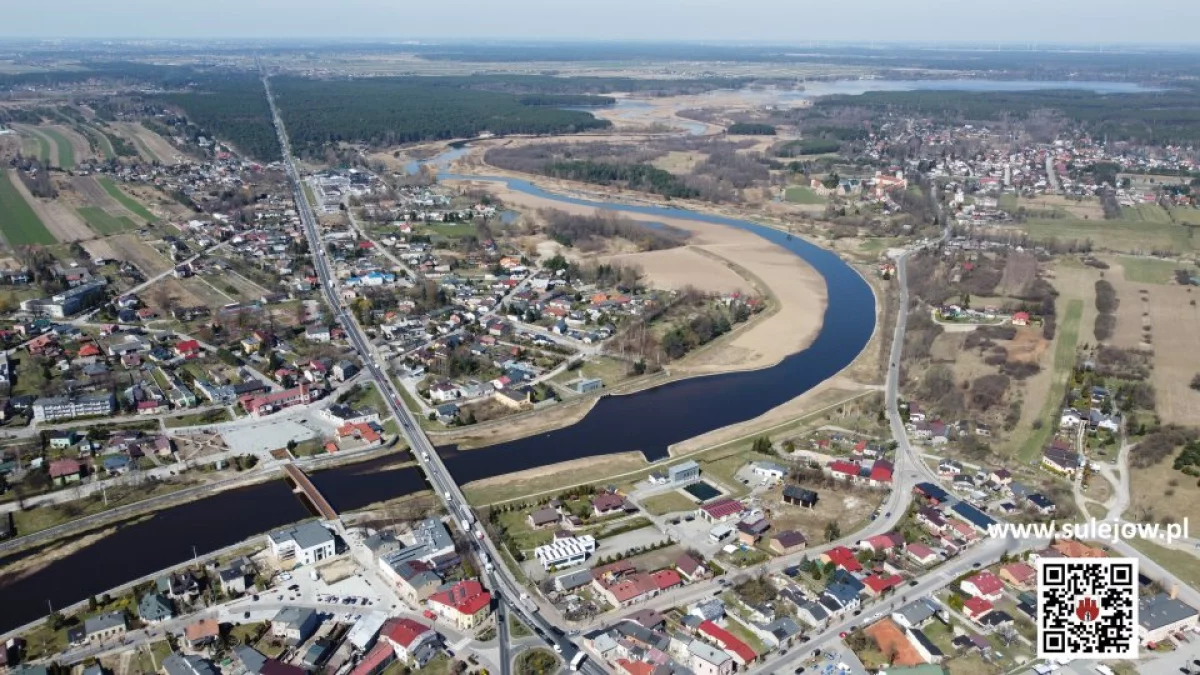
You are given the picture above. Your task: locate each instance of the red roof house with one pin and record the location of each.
(187, 348)
(842, 557)
(721, 510)
(985, 585)
(878, 583)
(740, 651)
(976, 607)
(466, 603)
(666, 579)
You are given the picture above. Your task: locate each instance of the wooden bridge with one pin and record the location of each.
(301, 484)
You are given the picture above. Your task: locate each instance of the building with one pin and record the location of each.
(105, 626)
(269, 403)
(796, 495)
(69, 302)
(915, 614)
(788, 541)
(431, 542)
(565, 552)
(772, 471)
(202, 632)
(565, 583)
(740, 651)
(55, 408)
(466, 604)
(295, 624)
(305, 543)
(983, 585)
(190, 664)
(155, 607)
(705, 659)
(1020, 575)
(683, 472)
(721, 510)
(413, 643)
(233, 577)
(414, 579)
(544, 517)
(1160, 615)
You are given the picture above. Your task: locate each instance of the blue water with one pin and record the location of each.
(652, 420)
(857, 87)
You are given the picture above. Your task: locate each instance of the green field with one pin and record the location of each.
(800, 194)
(104, 222)
(1064, 360)
(105, 145)
(1150, 270)
(66, 153)
(452, 230)
(1114, 235)
(43, 148)
(128, 202)
(1146, 213)
(18, 222)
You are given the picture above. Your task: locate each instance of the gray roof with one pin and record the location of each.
(104, 622)
(576, 579)
(178, 664)
(708, 652)
(689, 465)
(252, 660)
(306, 535)
(917, 611)
(1162, 610)
(431, 540)
(294, 616)
(155, 607)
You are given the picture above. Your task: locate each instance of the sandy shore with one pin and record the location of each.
(797, 289)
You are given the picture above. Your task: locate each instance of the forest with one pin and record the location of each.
(233, 110)
(750, 129)
(390, 111)
(587, 233)
(642, 177)
(1151, 117)
(576, 100)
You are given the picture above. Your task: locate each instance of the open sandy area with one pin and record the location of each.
(676, 268)
(149, 144)
(797, 289)
(129, 248)
(59, 219)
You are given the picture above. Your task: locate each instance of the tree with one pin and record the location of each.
(955, 602)
(832, 531)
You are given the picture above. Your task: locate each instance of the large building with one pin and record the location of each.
(466, 604)
(55, 408)
(269, 403)
(1161, 615)
(68, 303)
(565, 552)
(305, 543)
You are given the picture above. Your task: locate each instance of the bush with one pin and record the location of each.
(988, 390)
(1106, 297)
(1105, 325)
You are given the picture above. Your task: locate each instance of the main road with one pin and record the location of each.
(505, 586)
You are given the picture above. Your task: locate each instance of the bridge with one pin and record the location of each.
(302, 485)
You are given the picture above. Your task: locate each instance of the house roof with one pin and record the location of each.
(687, 564)
(844, 558)
(723, 508)
(920, 551)
(667, 578)
(467, 597)
(404, 631)
(1020, 571)
(880, 583)
(64, 467)
(789, 538)
(728, 641)
(204, 628)
(976, 606)
(1161, 610)
(986, 583)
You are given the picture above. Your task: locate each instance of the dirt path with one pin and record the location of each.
(59, 219)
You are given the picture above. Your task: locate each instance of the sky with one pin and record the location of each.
(1155, 22)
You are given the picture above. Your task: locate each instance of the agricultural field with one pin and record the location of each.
(41, 146)
(63, 223)
(1150, 270)
(1056, 205)
(66, 146)
(105, 223)
(1065, 345)
(125, 200)
(19, 223)
(1125, 236)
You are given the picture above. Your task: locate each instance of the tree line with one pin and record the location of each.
(750, 129)
(587, 231)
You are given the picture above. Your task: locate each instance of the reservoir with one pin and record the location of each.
(648, 421)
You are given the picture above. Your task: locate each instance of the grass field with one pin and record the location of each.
(1149, 270)
(104, 222)
(1114, 235)
(102, 141)
(1180, 563)
(1064, 360)
(43, 148)
(1146, 213)
(128, 202)
(66, 153)
(800, 194)
(452, 230)
(19, 224)
(669, 502)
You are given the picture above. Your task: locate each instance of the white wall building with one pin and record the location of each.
(305, 543)
(565, 552)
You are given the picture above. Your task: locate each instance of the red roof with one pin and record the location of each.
(467, 597)
(727, 641)
(405, 631)
(1020, 571)
(63, 467)
(920, 551)
(881, 473)
(976, 607)
(844, 558)
(987, 583)
(860, 446)
(841, 466)
(374, 660)
(1021, 316)
(635, 667)
(723, 508)
(879, 583)
(187, 346)
(666, 579)
(90, 349)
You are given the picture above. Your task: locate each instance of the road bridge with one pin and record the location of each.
(301, 484)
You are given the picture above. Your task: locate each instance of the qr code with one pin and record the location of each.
(1087, 608)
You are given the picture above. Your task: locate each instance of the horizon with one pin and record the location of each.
(1064, 22)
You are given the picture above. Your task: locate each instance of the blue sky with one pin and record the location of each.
(780, 21)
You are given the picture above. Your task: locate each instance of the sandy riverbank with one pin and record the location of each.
(798, 290)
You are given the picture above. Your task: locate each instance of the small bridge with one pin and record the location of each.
(302, 485)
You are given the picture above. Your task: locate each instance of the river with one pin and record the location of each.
(648, 421)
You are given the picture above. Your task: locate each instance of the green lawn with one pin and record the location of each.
(1180, 563)
(18, 222)
(43, 148)
(801, 194)
(128, 202)
(66, 153)
(1149, 270)
(102, 141)
(1114, 235)
(214, 416)
(608, 369)
(104, 222)
(452, 230)
(1064, 360)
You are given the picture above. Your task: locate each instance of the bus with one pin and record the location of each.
(577, 660)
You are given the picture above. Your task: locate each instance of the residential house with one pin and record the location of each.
(607, 503)
(883, 543)
(922, 554)
(235, 576)
(413, 643)
(740, 651)
(294, 625)
(843, 558)
(63, 471)
(544, 517)
(915, 614)
(975, 608)
(689, 568)
(787, 542)
(466, 604)
(202, 632)
(155, 607)
(1061, 461)
(983, 585)
(705, 659)
(304, 544)
(798, 496)
(1019, 575)
(107, 626)
(188, 664)
(415, 580)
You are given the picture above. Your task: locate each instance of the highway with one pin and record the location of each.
(503, 584)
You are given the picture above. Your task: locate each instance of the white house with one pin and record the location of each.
(1070, 419)
(565, 552)
(769, 470)
(305, 543)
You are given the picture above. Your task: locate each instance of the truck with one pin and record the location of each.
(466, 527)
(487, 562)
(577, 660)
